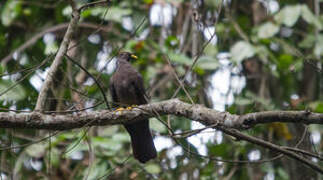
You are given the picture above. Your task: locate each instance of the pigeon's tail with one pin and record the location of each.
(141, 140)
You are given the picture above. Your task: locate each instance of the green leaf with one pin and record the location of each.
(11, 10)
(282, 173)
(241, 50)
(15, 94)
(152, 168)
(121, 137)
(113, 14)
(316, 106)
(179, 58)
(318, 49)
(308, 41)
(243, 101)
(207, 63)
(36, 150)
(67, 11)
(107, 143)
(219, 150)
(310, 18)
(211, 50)
(108, 131)
(156, 125)
(268, 30)
(288, 15)
(285, 60)
(51, 48)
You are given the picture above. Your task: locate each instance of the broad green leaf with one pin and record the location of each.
(219, 149)
(108, 131)
(285, 60)
(318, 49)
(116, 14)
(96, 170)
(310, 18)
(317, 106)
(243, 101)
(282, 174)
(211, 50)
(156, 125)
(16, 92)
(288, 15)
(241, 50)
(213, 3)
(152, 168)
(180, 58)
(308, 41)
(51, 48)
(113, 13)
(207, 63)
(11, 10)
(121, 137)
(67, 11)
(107, 143)
(268, 30)
(36, 150)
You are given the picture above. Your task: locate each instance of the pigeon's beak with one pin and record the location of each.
(133, 56)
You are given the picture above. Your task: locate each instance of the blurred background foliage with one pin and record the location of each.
(236, 56)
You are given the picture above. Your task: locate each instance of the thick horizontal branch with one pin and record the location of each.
(37, 120)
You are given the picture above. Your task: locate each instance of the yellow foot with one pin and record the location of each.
(120, 109)
(131, 107)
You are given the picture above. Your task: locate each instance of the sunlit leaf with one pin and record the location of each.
(241, 50)
(121, 137)
(318, 49)
(156, 125)
(268, 30)
(107, 143)
(11, 10)
(211, 50)
(243, 101)
(310, 18)
(15, 94)
(36, 150)
(113, 13)
(207, 63)
(308, 41)
(288, 15)
(51, 48)
(316, 106)
(152, 168)
(180, 58)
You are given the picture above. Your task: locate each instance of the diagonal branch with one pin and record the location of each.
(271, 146)
(58, 59)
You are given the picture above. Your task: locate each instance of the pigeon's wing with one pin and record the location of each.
(140, 93)
(113, 93)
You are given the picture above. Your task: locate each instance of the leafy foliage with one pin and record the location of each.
(270, 58)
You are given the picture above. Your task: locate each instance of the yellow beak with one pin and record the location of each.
(134, 56)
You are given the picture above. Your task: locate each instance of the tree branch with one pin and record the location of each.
(58, 59)
(55, 28)
(37, 120)
(223, 121)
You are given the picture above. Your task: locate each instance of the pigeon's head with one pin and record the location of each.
(127, 56)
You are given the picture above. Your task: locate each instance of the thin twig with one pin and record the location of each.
(274, 147)
(95, 80)
(93, 4)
